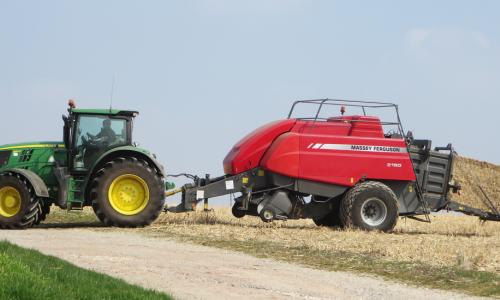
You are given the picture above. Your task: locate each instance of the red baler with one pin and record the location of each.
(345, 170)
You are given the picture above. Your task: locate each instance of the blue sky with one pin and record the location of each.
(204, 73)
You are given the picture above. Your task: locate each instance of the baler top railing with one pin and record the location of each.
(364, 105)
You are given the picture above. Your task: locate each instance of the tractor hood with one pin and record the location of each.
(248, 152)
(32, 145)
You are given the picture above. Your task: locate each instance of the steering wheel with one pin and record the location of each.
(90, 141)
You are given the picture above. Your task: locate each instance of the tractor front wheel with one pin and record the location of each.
(19, 206)
(127, 192)
(370, 205)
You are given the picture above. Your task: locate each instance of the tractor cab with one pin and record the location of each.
(89, 133)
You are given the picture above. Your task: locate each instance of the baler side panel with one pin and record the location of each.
(283, 155)
(330, 153)
(248, 152)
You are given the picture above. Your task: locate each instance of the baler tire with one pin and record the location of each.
(332, 219)
(129, 166)
(265, 213)
(237, 213)
(29, 210)
(354, 200)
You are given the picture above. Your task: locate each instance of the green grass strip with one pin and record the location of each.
(28, 274)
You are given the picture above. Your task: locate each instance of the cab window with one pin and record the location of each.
(96, 134)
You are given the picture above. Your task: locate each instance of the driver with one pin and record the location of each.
(107, 135)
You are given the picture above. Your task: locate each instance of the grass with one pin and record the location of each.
(28, 274)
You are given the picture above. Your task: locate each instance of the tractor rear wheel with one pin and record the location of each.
(332, 219)
(19, 206)
(127, 192)
(370, 205)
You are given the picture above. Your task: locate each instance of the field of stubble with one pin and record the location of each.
(450, 240)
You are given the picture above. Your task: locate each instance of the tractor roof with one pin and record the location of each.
(112, 112)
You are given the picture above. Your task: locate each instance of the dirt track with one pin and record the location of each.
(196, 272)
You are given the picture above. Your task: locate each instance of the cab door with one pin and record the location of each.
(93, 135)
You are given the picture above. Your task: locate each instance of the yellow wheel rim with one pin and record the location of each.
(128, 194)
(10, 201)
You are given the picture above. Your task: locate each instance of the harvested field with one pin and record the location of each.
(449, 240)
(471, 173)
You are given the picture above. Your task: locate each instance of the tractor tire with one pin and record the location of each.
(43, 211)
(370, 205)
(127, 192)
(332, 219)
(19, 206)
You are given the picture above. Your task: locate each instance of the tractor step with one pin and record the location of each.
(75, 199)
(77, 205)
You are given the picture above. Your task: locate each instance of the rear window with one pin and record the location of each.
(4, 157)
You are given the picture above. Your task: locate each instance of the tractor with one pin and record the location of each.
(97, 165)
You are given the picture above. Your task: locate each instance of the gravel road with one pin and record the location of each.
(195, 272)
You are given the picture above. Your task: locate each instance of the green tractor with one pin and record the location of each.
(96, 165)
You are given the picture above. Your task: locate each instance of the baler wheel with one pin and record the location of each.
(19, 206)
(370, 205)
(127, 192)
(237, 213)
(267, 215)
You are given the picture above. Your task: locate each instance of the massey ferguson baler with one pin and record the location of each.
(344, 170)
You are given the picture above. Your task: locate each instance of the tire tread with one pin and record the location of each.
(346, 207)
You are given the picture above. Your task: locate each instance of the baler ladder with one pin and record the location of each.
(425, 206)
(418, 189)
